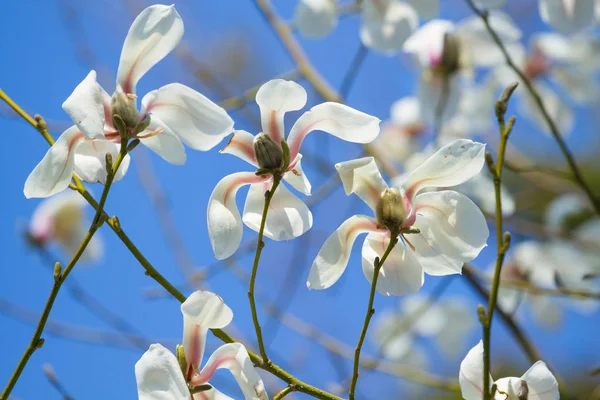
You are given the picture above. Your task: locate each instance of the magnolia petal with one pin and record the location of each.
(288, 216)
(427, 42)
(400, 274)
(451, 165)
(90, 160)
(315, 18)
(406, 112)
(471, 374)
(201, 311)
(426, 9)
(159, 377)
(362, 177)
(580, 84)
(430, 252)
(275, 98)
(436, 89)
(568, 17)
(53, 173)
(336, 119)
(197, 121)
(156, 31)
(332, 259)
(211, 394)
(85, 106)
(387, 24)
(241, 145)
(64, 209)
(165, 143)
(223, 217)
(297, 178)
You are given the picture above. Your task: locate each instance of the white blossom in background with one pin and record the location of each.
(288, 216)
(61, 219)
(158, 372)
(452, 230)
(169, 115)
(568, 16)
(537, 383)
(447, 54)
(564, 211)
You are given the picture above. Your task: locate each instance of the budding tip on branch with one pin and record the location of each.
(41, 123)
(109, 163)
(510, 124)
(40, 343)
(481, 313)
(116, 223)
(502, 103)
(506, 240)
(57, 271)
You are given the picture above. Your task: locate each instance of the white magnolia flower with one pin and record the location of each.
(288, 216)
(537, 383)
(568, 16)
(169, 115)
(61, 219)
(565, 212)
(160, 377)
(452, 229)
(447, 52)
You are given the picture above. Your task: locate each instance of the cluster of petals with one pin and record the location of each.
(288, 216)
(176, 112)
(452, 230)
(160, 376)
(569, 16)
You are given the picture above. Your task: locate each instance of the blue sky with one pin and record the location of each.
(39, 70)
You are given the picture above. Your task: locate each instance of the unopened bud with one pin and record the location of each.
(180, 353)
(57, 271)
(523, 391)
(451, 54)
(268, 154)
(390, 209)
(124, 107)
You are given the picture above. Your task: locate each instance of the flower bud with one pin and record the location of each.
(268, 154)
(124, 107)
(523, 391)
(450, 62)
(391, 211)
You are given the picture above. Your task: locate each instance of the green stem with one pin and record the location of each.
(287, 390)
(370, 311)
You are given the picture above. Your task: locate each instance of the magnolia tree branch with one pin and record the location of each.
(56, 384)
(577, 175)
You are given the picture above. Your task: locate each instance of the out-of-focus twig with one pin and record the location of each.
(56, 384)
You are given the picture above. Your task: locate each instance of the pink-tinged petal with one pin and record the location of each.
(155, 32)
(568, 16)
(387, 24)
(53, 173)
(541, 383)
(241, 145)
(159, 377)
(426, 9)
(333, 257)
(211, 394)
(159, 138)
(288, 216)
(362, 177)
(451, 165)
(201, 311)
(401, 273)
(57, 217)
(427, 42)
(223, 217)
(315, 18)
(471, 374)
(234, 357)
(197, 121)
(275, 98)
(90, 160)
(296, 177)
(454, 223)
(85, 106)
(336, 119)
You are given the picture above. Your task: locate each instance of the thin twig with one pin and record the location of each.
(352, 72)
(56, 384)
(287, 390)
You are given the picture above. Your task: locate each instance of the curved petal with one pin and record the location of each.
(57, 217)
(541, 382)
(234, 357)
(275, 98)
(90, 160)
(241, 145)
(197, 121)
(223, 217)
(430, 253)
(297, 178)
(201, 311)
(315, 18)
(427, 42)
(159, 377)
(154, 33)
(451, 165)
(387, 24)
(400, 274)
(85, 106)
(333, 257)
(361, 176)
(288, 216)
(164, 143)
(426, 9)
(471, 374)
(53, 173)
(211, 394)
(336, 119)
(568, 16)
